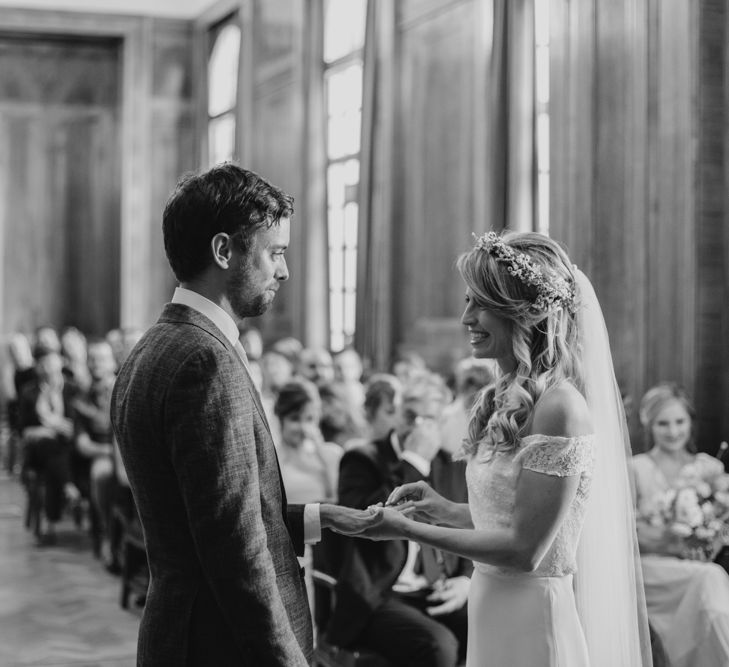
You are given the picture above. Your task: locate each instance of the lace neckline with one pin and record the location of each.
(540, 437)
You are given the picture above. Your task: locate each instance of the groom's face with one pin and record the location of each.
(255, 277)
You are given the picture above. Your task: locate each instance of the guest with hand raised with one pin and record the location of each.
(403, 602)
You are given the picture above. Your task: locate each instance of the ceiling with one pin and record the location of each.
(171, 8)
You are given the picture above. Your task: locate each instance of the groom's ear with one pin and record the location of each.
(221, 246)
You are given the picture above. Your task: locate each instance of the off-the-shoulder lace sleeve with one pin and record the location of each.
(553, 455)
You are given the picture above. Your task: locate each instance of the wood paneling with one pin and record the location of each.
(669, 252)
(711, 388)
(132, 173)
(172, 145)
(619, 207)
(638, 113)
(434, 210)
(59, 112)
(272, 139)
(572, 111)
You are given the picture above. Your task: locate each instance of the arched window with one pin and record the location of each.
(344, 32)
(223, 91)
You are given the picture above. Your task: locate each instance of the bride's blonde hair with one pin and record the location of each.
(543, 335)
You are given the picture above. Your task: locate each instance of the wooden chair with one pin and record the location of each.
(134, 568)
(34, 490)
(326, 654)
(135, 572)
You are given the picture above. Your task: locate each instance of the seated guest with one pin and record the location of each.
(340, 421)
(46, 340)
(75, 357)
(92, 460)
(395, 598)
(122, 340)
(407, 365)
(276, 371)
(47, 429)
(471, 376)
(252, 341)
(382, 400)
(290, 348)
(252, 344)
(19, 372)
(687, 598)
(21, 356)
(309, 465)
(348, 368)
(316, 365)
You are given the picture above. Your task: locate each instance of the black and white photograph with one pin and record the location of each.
(364, 333)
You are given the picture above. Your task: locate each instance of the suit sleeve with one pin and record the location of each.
(209, 419)
(295, 518)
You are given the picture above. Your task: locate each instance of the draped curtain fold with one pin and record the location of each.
(504, 164)
(508, 160)
(311, 234)
(373, 337)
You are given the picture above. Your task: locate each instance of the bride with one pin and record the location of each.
(549, 522)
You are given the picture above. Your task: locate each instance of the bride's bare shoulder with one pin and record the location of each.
(562, 411)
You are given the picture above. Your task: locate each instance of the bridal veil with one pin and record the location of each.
(608, 582)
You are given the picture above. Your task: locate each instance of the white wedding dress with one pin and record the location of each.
(527, 619)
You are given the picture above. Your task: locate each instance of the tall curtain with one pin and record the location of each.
(504, 167)
(506, 162)
(309, 232)
(373, 338)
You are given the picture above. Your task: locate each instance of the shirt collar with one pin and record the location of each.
(211, 310)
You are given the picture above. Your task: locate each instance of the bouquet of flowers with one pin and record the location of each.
(697, 512)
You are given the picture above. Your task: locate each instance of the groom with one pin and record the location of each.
(225, 587)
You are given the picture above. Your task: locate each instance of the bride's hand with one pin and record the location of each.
(346, 520)
(387, 524)
(419, 501)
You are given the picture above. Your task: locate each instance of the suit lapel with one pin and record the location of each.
(179, 313)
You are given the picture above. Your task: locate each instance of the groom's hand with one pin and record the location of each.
(346, 520)
(387, 524)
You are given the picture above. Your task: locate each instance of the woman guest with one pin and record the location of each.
(688, 600)
(554, 582)
(309, 465)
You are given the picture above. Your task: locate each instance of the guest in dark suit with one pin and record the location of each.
(92, 458)
(225, 585)
(45, 422)
(404, 602)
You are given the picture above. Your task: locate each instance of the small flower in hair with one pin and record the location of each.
(552, 292)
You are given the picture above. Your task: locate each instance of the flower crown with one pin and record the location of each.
(552, 292)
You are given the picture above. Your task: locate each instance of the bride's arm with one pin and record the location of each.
(541, 501)
(458, 516)
(541, 504)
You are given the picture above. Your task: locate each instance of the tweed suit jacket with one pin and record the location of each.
(225, 584)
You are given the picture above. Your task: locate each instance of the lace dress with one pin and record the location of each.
(688, 601)
(527, 619)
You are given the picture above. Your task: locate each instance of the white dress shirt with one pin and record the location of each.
(407, 580)
(224, 322)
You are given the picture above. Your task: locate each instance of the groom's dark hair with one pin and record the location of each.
(226, 198)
